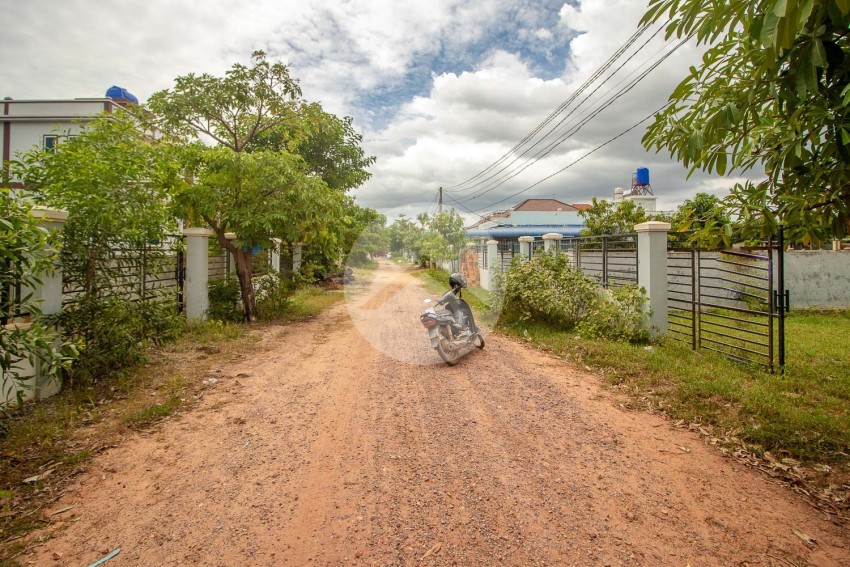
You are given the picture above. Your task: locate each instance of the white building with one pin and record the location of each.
(28, 124)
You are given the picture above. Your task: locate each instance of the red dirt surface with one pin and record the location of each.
(320, 449)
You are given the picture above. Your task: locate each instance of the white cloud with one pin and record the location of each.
(452, 122)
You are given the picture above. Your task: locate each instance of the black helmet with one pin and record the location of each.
(457, 280)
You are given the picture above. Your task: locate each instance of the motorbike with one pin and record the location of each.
(452, 329)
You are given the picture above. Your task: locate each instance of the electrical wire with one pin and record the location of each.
(598, 73)
(575, 114)
(548, 149)
(597, 148)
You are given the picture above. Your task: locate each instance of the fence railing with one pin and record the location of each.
(11, 294)
(145, 272)
(731, 302)
(610, 259)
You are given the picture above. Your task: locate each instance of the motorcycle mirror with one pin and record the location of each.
(427, 301)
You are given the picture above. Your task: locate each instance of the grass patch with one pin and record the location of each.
(804, 414)
(213, 331)
(148, 415)
(309, 302)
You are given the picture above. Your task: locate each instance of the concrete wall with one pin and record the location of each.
(543, 218)
(818, 278)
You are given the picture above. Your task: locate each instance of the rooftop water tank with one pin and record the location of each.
(117, 93)
(642, 176)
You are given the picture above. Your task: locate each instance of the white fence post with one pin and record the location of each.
(652, 271)
(274, 257)
(525, 247)
(48, 295)
(492, 259)
(230, 236)
(297, 253)
(196, 283)
(550, 240)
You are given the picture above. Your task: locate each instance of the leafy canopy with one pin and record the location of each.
(772, 92)
(607, 217)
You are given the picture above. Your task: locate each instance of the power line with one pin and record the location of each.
(571, 115)
(617, 54)
(597, 148)
(548, 149)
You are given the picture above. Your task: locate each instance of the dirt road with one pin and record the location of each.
(343, 442)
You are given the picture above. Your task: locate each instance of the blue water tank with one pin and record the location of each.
(121, 94)
(642, 176)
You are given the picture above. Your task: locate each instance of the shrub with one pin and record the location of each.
(550, 290)
(26, 252)
(274, 295)
(115, 333)
(618, 314)
(223, 298)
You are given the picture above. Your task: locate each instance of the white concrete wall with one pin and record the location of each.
(543, 217)
(818, 278)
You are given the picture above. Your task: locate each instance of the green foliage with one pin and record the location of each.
(549, 290)
(115, 181)
(115, 334)
(328, 144)
(365, 235)
(274, 296)
(280, 170)
(772, 92)
(26, 252)
(223, 296)
(436, 239)
(620, 315)
(606, 217)
(704, 216)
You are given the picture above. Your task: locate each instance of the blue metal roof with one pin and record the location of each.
(527, 230)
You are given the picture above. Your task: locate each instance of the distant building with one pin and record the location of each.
(532, 217)
(28, 124)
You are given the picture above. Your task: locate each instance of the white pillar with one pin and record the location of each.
(196, 284)
(525, 247)
(49, 293)
(297, 254)
(550, 241)
(652, 271)
(231, 259)
(275, 255)
(48, 296)
(493, 262)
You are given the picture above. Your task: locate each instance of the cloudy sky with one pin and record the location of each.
(440, 89)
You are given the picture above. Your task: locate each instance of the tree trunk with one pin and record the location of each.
(246, 286)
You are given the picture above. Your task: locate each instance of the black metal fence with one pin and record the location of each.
(610, 259)
(732, 302)
(153, 271)
(11, 293)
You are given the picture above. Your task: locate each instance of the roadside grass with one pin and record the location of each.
(49, 435)
(803, 414)
(308, 302)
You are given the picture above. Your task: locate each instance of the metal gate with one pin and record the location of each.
(732, 302)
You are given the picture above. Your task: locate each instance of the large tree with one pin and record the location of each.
(607, 217)
(772, 92)
(254, 182)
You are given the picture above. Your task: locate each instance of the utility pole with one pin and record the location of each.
(440, 209)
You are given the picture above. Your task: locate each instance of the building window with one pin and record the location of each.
(50, 143)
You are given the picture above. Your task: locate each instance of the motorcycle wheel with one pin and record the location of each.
(478, 341)
(449, 355)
